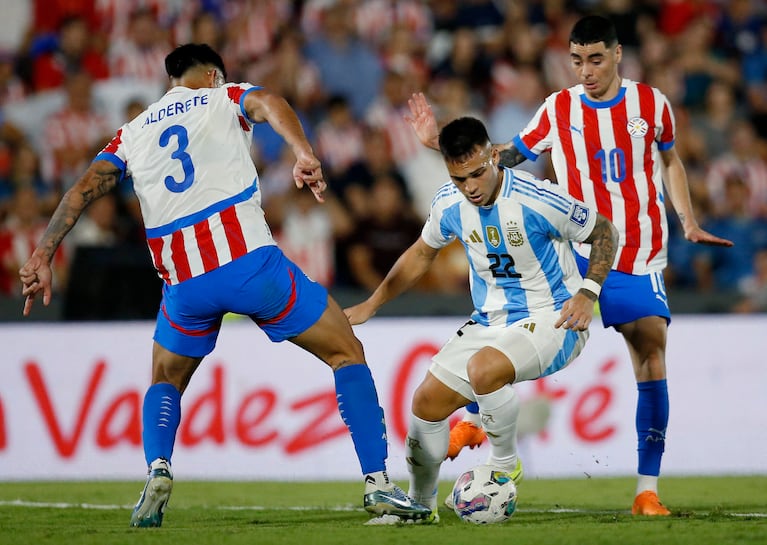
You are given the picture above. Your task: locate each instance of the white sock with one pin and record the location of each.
(500, 411)
(425, 450)
(647, 482)
(378, 480)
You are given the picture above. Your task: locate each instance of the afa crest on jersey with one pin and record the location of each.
(637, 127)
(493, 236)
(514, 234)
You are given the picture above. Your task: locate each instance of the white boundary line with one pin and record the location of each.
(337, 508)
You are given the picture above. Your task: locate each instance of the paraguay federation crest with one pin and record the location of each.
(514, 234)
(493, 236)
(637, 127)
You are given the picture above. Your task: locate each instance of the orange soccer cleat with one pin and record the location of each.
(647, 503)
(464, 434)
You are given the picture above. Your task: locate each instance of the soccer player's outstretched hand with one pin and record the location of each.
(422, 120)
(699, 236)
(359, 314)
(35, 276)
(307, 171)
(577, 313)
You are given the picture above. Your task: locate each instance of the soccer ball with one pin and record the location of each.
(484, 495)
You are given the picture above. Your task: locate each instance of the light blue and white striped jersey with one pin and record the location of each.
(519, 248)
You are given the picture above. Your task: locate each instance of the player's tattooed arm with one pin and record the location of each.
(604, 245)
(98, 180)
(510, 157)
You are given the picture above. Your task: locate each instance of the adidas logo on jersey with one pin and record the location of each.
(473, 238)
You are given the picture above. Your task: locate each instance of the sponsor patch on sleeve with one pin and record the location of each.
(579, 215)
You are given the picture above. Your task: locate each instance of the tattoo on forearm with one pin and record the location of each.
(604, 245)
(94, 184)
(510, 157)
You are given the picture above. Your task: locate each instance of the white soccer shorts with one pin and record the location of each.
(535, 347)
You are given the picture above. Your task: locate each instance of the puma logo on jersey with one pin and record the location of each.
(576, 129)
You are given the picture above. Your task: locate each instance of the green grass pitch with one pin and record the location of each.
(706, 510)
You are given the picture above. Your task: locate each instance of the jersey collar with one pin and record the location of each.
(604, 104)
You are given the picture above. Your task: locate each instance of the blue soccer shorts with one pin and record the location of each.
(263, 284)
(628, 297)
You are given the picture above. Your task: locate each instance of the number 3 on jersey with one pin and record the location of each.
(182, 140)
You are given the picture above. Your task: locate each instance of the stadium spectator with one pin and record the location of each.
(347, 65)
(754, 66)
(377, 160)
(556, 64)
(71, 53)
(307, 232)
(210, 207)
(11, 86)
(206, 28)
(48, 15)
(683, 271)
(99, 226)
(19, 235)
(517, 107)
(339, 138)
(753, 289)
(378, 21)
(699, 61)
(140, 54)
(381, 237)
(402, 53)
(468, 62)
(453, 99)
(418, 166)
(711, 126)
(286, 70)
(723, 269)
(25, 172)
(252, 27)
(742, 158)
(72, 133)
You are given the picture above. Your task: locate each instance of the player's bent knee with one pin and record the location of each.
(435, 404)
(487, 376)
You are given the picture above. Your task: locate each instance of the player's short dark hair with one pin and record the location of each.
(460, 138)
(593, 29)
(188, 56)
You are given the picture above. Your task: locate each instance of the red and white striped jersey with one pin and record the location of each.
(70, 137)
(607, 155)
(391, 119)
(127, 60)
(338, 147)
(189, 157)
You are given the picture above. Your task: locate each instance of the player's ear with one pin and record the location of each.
(494, 155)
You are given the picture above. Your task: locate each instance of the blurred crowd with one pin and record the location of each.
(77, 69)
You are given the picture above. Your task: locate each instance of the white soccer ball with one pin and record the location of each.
(484, 495)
